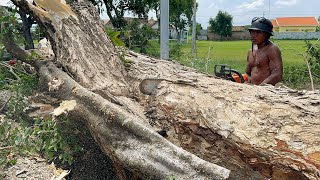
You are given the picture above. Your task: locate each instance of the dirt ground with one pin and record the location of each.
(27, 168)
(92, 165)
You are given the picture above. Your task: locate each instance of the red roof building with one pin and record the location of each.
(295, 24)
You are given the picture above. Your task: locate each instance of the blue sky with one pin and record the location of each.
(243, 11)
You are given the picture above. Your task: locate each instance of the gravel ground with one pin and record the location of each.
(31, 169)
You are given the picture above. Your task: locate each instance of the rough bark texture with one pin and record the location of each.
(257, 132)
(79, 46)
(124, 134)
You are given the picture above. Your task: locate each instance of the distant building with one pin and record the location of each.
(238, 33)
(295, 24)
(203, 35)
(154, 24)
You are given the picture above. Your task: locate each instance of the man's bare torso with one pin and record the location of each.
(259, 63)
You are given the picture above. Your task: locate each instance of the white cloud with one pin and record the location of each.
(212, 5)
(4, 2)
(251, 6)
(286, 2)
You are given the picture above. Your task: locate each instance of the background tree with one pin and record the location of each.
(27, 23)
(20, 26)
(37, 33)
(116, 10)
(137, 36)
(180, 14)
(221, 24)
(198, 28)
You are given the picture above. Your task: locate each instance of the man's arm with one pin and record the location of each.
(275, 65)
(248, 68)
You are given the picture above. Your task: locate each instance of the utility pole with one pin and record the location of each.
(194, 31)
(269, 11)
(164, 29)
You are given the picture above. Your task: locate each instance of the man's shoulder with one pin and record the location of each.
(273, 46)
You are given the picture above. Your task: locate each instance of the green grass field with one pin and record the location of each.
(234, 53)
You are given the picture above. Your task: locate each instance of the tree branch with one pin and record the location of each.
(139, 147)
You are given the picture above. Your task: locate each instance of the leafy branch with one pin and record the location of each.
(306, 57)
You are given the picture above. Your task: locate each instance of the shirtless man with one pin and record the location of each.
(264, 61)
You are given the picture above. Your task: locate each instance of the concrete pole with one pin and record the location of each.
(194, 31)
(164, 29)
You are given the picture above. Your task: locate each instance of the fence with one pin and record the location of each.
(297, 35)
(244, 35)
(238, 35)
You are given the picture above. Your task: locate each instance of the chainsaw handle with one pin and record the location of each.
(238, 73)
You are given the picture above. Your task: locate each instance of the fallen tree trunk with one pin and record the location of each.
(126, 136)
(256, 132)
(245, 128)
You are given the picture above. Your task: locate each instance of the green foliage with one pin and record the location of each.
(153, 48)
(175, 48)
(37, 33)
(21, 135)
(198, 28)
(49, 137)
(114, 36)
(116, 10)
(10, 21)
(175, 51)
(221, 24)
(127, 62)
(11, 25)
(12, 138)
(171, 178)
(55, 140)
(34, 55)
(4, 56)
(17, 107)
(295, 76)
(24, 85)
(180, 13)
(314, 56)
(137, 36)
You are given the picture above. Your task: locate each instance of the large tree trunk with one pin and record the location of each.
(256, 132)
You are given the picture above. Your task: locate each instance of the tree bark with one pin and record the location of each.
(257, 132)
(26, 25)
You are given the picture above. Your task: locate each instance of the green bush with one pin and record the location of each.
(175, 50)
(55, 141)
(314, 57)
(114, 36)
(137, 37)
(50, 138)
(21, 135)
(295, 76)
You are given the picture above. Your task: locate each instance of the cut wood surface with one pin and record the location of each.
(256, 128)
(190, 125)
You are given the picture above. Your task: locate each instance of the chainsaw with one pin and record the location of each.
(225, 72)
(148, 85)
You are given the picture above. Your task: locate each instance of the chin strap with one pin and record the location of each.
(252, 48)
